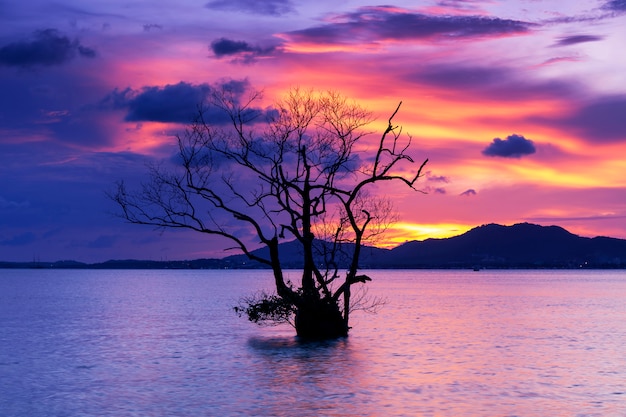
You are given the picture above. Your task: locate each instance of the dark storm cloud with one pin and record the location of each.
(228, 47)
(514, 146)
(575, 39)
(265, 7)
(178, 103)
(616, 5)
(600, 121)
(47, 48)
(379, 23)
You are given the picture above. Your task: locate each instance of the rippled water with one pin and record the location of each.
(447, 343)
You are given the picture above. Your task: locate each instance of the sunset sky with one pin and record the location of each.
(520, 106)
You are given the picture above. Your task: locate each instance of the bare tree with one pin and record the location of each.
(305, 170)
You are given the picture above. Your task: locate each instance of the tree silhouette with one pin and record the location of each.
(298, 172)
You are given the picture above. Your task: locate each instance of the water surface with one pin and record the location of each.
(447, 343)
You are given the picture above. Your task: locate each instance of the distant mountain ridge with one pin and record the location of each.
(522, 245)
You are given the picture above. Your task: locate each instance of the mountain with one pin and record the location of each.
(522, 245)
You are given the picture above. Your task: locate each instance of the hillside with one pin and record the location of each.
(522, 245)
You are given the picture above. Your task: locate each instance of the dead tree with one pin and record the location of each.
(306, 169)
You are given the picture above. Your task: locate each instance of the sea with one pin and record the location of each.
(442, 343)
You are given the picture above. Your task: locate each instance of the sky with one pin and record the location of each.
(519, 105)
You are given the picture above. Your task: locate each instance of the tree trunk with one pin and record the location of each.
(320, 320)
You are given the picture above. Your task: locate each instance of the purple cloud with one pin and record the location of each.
(171, 103)
(602, 120)
(152, 26)
(227, 47)
(514, 146)
(502, 83)
(616, 5)
(575, 39)
(178, 103)
(370, 24)
(437, 178)
(468, 193)
(56, 105)
(459, 4)
(599, 121)
(265, 7)
(48, 48)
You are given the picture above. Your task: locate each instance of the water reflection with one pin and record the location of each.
(447, 343)
(306, 378)
(293, 344)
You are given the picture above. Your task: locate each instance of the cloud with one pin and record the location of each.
(370, 24)
(265, 7)
(437, 178)
(458, 4)
(560, 59)
(616, 5)
(503, 83)
(152, 26)
(602, 120)
(599, 121)
(575, 39)
(56, 107)
(514, 146)
(226, 47)
(435, 190)
(48, 48)
(454, 76)
(177, 103)
(468, 193)
(171, 103)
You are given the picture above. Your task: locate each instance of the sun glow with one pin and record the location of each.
(403, 232)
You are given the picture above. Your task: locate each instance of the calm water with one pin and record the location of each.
(447, 343)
